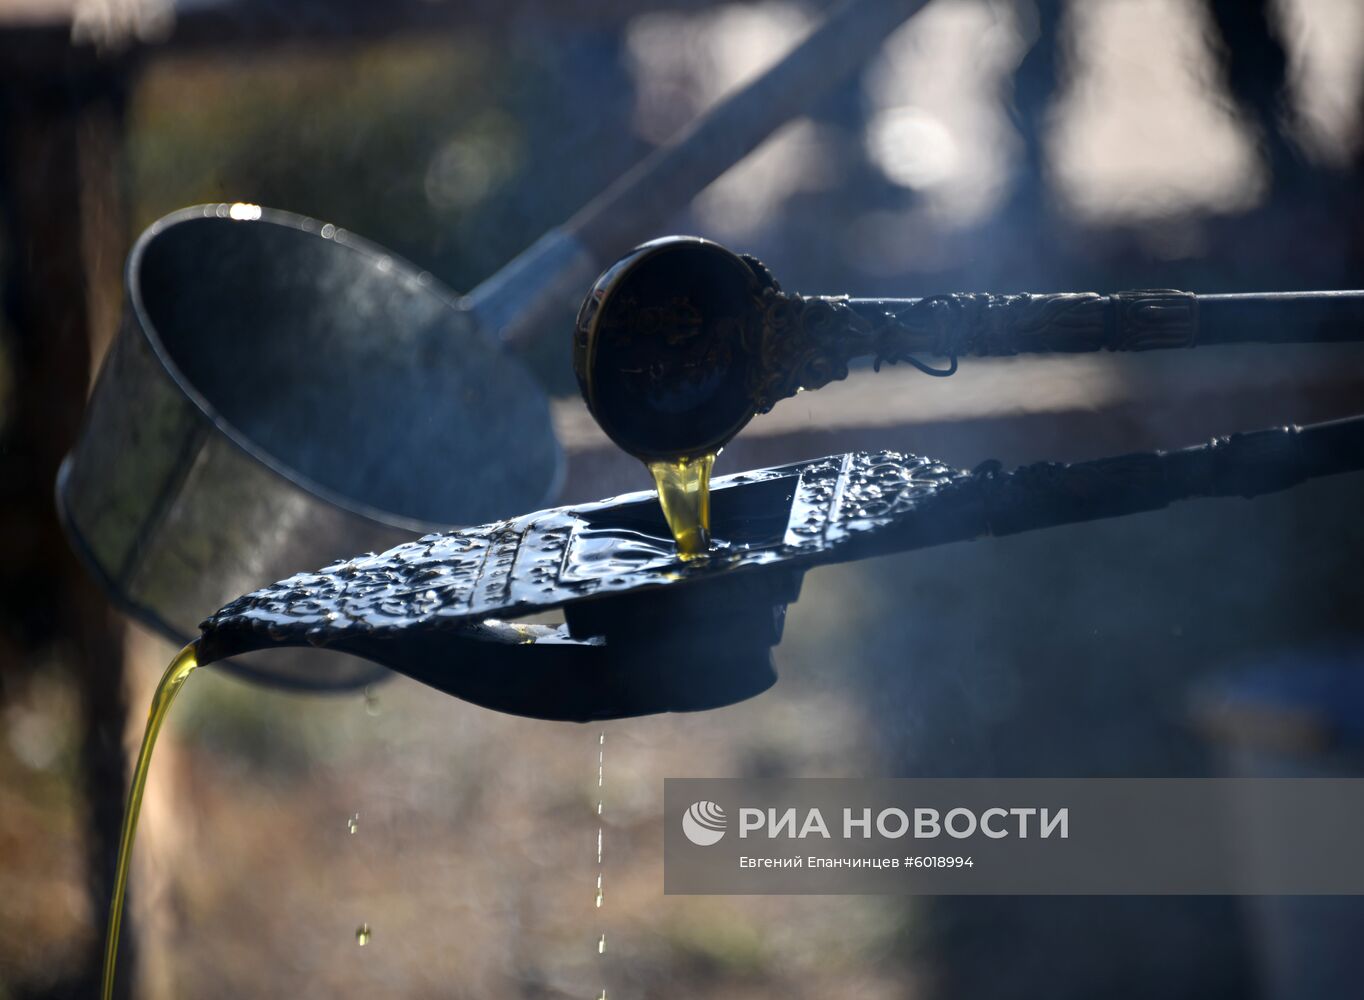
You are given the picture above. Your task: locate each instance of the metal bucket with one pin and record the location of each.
(283, 394)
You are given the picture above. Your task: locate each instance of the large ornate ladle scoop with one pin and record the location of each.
(646, 631)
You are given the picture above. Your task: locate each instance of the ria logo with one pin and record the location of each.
(704, 823)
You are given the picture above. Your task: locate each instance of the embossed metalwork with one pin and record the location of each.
(1154, 318)
(533, 563)
(806, 342)
(800, 343)
(537, 562)
(436, 608)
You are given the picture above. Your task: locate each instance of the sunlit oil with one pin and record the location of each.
(362, 935)
(598, 898)
(684, 494)
(166, 689)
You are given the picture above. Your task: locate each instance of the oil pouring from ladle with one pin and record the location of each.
(681, 342)
(653, 352)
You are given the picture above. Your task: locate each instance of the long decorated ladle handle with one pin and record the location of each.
(807, 341)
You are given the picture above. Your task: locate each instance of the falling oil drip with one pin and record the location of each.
(353, 823)
(169, 686)
(684, 494)
(598, 898)
(362, 935)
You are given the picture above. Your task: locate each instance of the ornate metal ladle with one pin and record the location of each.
(676, 347)
(647, 632)
(681, 342)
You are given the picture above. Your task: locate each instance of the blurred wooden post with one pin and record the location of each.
(60, 139)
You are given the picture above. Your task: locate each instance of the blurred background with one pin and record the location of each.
(1001, 145)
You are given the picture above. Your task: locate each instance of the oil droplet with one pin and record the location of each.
(372, 706)
(167, 688)
(353, 823)
(601, 945)
(684, 494)
(599, 892)
(362, 935)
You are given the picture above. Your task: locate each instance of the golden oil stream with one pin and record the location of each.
(684, 494)
(599, 898)
(169, 686)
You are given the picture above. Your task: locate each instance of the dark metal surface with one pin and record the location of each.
(280, 393)
(681, 342)
(646, 631)
(660, 348)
